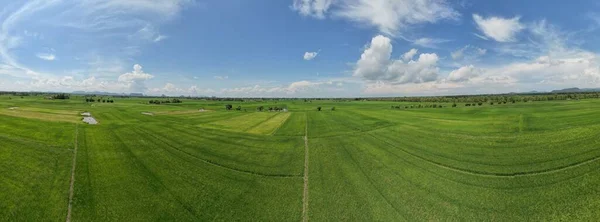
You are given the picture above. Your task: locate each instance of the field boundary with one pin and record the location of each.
(164, 141)
(305, 188)
(488, 174)
(258, 124)
(281, 124)
(72, 183)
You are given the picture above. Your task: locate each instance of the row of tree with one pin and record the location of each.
(320, 108)
(91, 100)
(60, 96)
(230, 107)
(259, 109)
(498, 98)
(441, 106)
(420, 106)
(156, 101)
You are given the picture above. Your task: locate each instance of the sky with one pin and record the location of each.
(299, 48)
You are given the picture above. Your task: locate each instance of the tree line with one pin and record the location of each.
(259, 108)
(60, 96)
(453, 105)
(156, 101)
(492, 98)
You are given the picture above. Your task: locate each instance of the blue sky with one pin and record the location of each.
(299, 48)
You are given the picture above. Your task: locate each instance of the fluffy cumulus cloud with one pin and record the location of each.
(498, 28)
(580, 68)
(375, 64)
(136, 80)
(464, 73)
(310, 55)
(299, 88)
(173, 90)
(409, 55)
(389, 17)
(314, 8)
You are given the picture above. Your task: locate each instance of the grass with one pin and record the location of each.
(522, 161)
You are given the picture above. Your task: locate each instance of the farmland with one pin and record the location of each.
(517, 161)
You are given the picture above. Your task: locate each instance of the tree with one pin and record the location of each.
(454, 105)
(61, 96)
(238, 108)
(480, 103)
(333, 108)
(260, 108)
(319, 108)
(228, 107)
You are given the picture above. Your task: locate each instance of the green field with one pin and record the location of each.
(366, 162)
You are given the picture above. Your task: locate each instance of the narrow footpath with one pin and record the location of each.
(305, 192)
(71, 187)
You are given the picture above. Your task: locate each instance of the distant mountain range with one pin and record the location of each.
(575, 89)
(567, 90)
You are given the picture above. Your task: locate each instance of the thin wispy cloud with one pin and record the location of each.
(46, 56)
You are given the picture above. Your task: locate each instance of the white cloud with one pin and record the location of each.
(429, 42)
(95, 19)
(468, 52)
(464, 73)
(498, 28)
(294, 89)
(409, 55)
(310, 55)
(391, 17)
(136, 79)
(46, 56)
(220, 77)
(160, 38)
(314, 8)
(418, 89)
(480, 36)
(375, 64)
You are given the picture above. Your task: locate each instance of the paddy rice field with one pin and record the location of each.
(196, 161)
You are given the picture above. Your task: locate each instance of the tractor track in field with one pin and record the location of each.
(488, 174)
(305, 187)
(213, 163)
(72, 183)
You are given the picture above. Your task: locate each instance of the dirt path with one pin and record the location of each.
(305, 191)
(71, 187)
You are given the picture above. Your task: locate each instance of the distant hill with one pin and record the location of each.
(575, 89)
